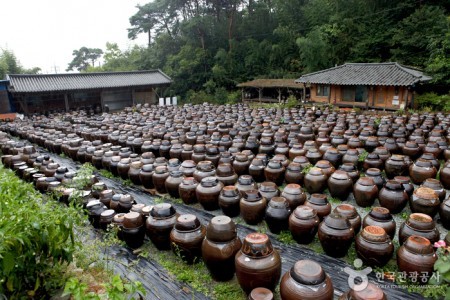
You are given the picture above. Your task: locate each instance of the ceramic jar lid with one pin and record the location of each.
(394, 185)
(245, 180)
(209, 181)
(278, 202)
(346, 210)
(189, 181)
(380, 213)
(374, 234)
(147, 168)
(371, 292)
(307, 272)
(316, 172)
(293, 189)
(188, 164)
(318, 199)
(109, 213)
(257, 245)
(426, 193)
(268, 187)
(221, 229)
(260, 293)
(373, 172)
(420, 221)
(366, 181)
(252, 195)
(304, 212)
(187, 222)
(161, 170)
(162, 211)
(224, 169)
(337, 221)
(132, 220)
(340, 175)
(418, 245)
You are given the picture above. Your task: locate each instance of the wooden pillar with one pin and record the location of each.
(406, 98)
(66, 102)
(279, 95)
(242, 95)
(329, 94)
(102, 100)
(133, 96)
(260, 94)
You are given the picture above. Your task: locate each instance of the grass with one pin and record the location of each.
(286, 237)
(106, 174)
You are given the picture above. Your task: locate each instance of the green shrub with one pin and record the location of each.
(36, 236)
(433, 102)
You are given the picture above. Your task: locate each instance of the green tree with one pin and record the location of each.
(83, 58)
(9, 64)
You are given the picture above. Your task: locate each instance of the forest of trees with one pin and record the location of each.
(211, 45)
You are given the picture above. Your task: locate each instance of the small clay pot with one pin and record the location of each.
(269, 190)
(320, 204)
(260, 293)
(315, 181)
(380, 216)
(226, 174)
(365, 191)
(303, 224)
(187, 237)
(187, 189)
(393, 196)
(275, 172)
(257, 263)
(396, 165)
(336, 235)
(220, 246)
(416, 256)
(159, 224)
(420, 225)
(294, 194)
(421, 170)
(229, 199)
(349, 211)
(252, 207)
(378, 179)
(256, 170)
(374, 246)
(435, 185)
(159, 177)
(306, 280)
(173, 182)
(294, 173)
(133, 230)
(426, 201)
(340, 185)
(277, 214)
(207, 193)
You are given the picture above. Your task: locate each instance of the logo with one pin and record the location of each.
(357, 279)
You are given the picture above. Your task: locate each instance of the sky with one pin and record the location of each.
(44, 33)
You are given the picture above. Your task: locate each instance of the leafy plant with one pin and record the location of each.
(442, 268)
(106, 174)
(362, 157)
(285, 237)
(307, 168)
(434, 101)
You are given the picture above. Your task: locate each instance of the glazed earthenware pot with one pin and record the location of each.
(420, 225)
(252, 207)
(257, 263)
(134, 171)
(294, 194)
(275, 172)
(426, 201)
(220, 246)
(294, 173)
(396, 166)
(106, 218)
(327, 168)
(340, 185)
(406, 183)
(350, 212)
(365, 191)
(374, 246)
(372, 292)
(160, 223)
(133, 230)
(226, 174)
(393, 196)
(336, 235)
(444, 213)
(306, 280)
(229, 201)
(260, 293)
(277, 214)
(380, 216)
(445, 176)
(315, 181)
(146, 176)
(187, 237)
(204, 169)
(269, 190)
(245, 183)
(159, 177)
(421, 170)
(416, 255)
(435, 185)
(188, 168)
(207, 193)
(320, 204)
(94, 209)
(173, 182)
(187, 189)
(241, 164)
(303, 224)
(378, 179)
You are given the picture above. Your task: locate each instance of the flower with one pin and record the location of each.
(439, 244)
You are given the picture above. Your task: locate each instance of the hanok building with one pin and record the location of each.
(270, 90)
(369, 85)
(64, 92)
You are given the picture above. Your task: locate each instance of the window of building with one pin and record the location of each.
(322, 90)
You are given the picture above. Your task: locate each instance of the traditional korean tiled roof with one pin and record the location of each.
(271, 83)
(23, 83)
(390, 73)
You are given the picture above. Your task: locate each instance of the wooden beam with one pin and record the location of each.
(66, 102)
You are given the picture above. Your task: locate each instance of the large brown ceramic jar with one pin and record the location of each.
(374, 246)
(294, 194)
(333, 156)
(159, 224)
(220, 246)
(133, 230)
(351, 170)
(245, 183)
(315, 181)
(336, 235)
(173, 182)
(303, 224)
(207, 193)
(134, 171)
(406, 183)
(416, 256)
(146, 176)
(349, 211)
(380, 216)
(313, 155)
(372, 292)
(275, 172)
(277, 214)
(365, 191)
(378, 179)
(445, 176)
(351, 156)
(226, 174)
(306, 280)
(204, 169)
(159, 179)
(257, 263)
(425, 200)
(340, 185)
(241, 164)
(252, 207)
(436, 186)
(444, 213)
(396, 166)
(296, 150)
(393, 196)
(422, 170)
(327, 168)
(294, 173)
(373, 161)
(123, 167)
(113, 165)
(320, 204)
(256, 170)
(187, 189)
(421, 225)
(187, 237)
(269, 190)
(188, 168)
(229, 201)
